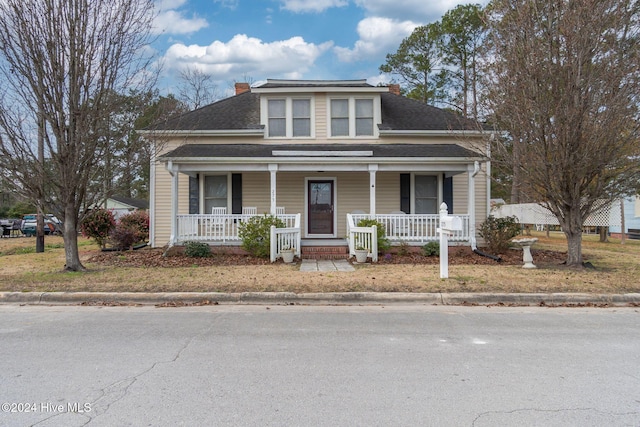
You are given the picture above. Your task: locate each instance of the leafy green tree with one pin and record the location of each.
(463, 33)
(418, 64)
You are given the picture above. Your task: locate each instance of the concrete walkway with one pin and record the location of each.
(326, 265)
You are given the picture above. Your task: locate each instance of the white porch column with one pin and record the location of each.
(373, 168)
(273, 168)
(173, 171)
(472, 171)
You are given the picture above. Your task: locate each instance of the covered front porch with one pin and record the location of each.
(319, 188)
(412, 229)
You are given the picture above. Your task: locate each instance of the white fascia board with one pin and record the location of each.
(315, 89)
(445, 132)
(222, 132)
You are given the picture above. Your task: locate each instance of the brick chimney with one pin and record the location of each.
(242, 88)
(394, 88)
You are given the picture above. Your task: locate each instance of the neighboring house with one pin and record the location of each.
(120, 205)
(319, 151)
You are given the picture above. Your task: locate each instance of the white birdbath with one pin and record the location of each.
(526, 244)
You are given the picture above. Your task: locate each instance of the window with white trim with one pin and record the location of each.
(215, 192)
(289, 117)
(351, 117)
(277, 117)
(426, 194)
(364, 117)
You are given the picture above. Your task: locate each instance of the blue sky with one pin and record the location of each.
(239, 40)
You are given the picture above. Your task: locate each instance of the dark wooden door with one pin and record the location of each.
(320, 209)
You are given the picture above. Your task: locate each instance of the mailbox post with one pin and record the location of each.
(448, 224)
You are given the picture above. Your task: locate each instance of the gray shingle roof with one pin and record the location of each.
(242, 112)
(239, 112)
(401, 113)
(266, 151)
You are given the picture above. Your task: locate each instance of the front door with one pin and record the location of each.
(320, 208)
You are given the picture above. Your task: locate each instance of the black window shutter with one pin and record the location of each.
(405, 193)
(194, 192)
(447, 193)
(236, 193)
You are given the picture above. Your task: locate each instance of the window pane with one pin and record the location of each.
(364, 108)
(364, 127)
(277, 108)
(426, 206)
(301, 127)
(277, 127)
(215, 192)
(426, 194)
(339, 127)
(339, 108)
(301, 108)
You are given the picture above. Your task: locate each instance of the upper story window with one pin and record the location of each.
(351, 117)
(289, 118)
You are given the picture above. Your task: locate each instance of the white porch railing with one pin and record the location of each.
(366, 237)
(218, 228)
(285, 238)
(415, 227)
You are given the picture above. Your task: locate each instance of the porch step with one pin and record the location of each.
(324, 252)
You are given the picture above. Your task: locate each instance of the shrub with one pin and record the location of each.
(498, 232)
(97, 225)
(256, 234)
(124, 236)
(197, 249)
(130, 229)
(431, 249)
(383, 242)
(139, 222)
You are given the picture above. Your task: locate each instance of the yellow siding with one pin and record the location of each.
(460, 194)
(388, 192)
(321, 117)
(255, 191)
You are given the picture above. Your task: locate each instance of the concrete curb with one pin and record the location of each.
(338, 298)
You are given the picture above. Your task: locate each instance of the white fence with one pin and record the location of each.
(285, 239)
(365, 237)
(218, 228)
(415, 227)
(603, 215)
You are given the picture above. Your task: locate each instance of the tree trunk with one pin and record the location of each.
(70, 235)
(574, 254)
(604, 233)
(573, 230)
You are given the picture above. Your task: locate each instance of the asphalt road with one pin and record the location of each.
(319, 366)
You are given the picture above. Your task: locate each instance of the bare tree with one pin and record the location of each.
(566, 86)
(60, 60)
(196, 88)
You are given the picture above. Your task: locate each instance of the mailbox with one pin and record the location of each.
(451, 223)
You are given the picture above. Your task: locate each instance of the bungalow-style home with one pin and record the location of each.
(321, 155)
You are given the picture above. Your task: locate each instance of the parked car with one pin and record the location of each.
(51, 225)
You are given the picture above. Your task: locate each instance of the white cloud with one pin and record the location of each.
(243, 55)
(170, 20)
(302, 6)
(377, 36)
